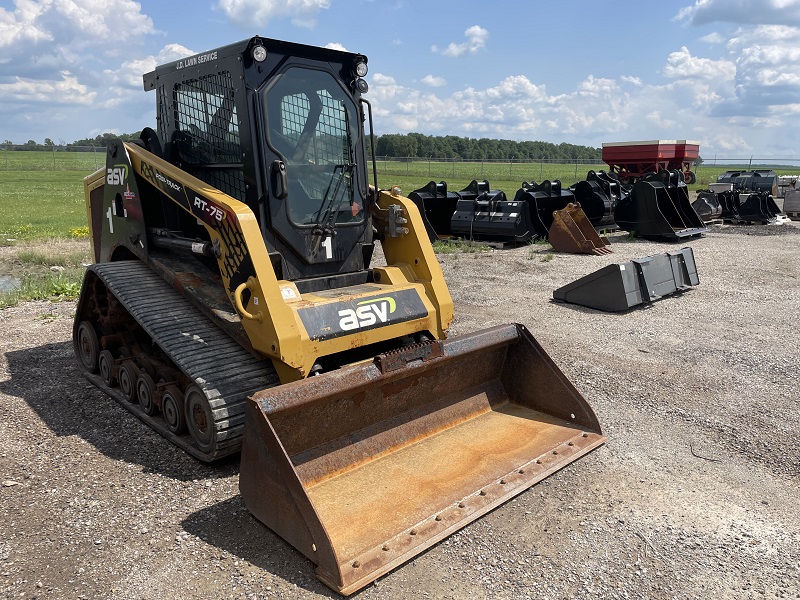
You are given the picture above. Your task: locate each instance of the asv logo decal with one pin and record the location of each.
(116, 175)
(368, 313)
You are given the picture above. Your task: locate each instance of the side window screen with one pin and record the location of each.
(206, 136)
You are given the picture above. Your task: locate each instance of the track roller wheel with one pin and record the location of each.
(145, 392)
(105, 363)
(199, 419)
(87, 346)
(128, 374)
(173, 409)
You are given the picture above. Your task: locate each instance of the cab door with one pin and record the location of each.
(312, 132)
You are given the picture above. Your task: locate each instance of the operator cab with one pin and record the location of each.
(278, 126)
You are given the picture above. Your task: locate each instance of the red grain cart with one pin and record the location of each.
(632, 160)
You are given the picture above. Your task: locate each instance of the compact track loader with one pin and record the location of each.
(233, 307)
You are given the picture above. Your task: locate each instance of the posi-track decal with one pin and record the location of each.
(201, 207)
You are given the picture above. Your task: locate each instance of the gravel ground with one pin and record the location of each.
(694, 495)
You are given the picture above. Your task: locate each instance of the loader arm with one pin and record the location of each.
(407, 296)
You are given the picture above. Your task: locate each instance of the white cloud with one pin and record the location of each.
(476, 40)
(596, 110)
(259, 13)
(39, 40)
(54, 57)
(67, 90)
(381, 79)
(682, 65)
(632, 80)
(336, 46)
(80, 23)
(744, 12)
(597, 87)
(713, 38)
(434, 81)
(129, 74)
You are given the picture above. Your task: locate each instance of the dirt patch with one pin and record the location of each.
(694, 495)
(41, 260)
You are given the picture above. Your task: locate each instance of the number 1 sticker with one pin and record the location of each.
(327, 243)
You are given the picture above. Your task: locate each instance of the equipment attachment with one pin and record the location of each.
(791, 204)
(707, 206)
(599, 195)
(436, 206)
(757, 207)
(543, 198)
(659, 207)
(741, 206)
(759, 180)
(619, 287)
(364, 467)
(572, 232)
(486, 214)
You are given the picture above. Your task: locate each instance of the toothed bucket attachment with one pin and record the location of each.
(572, 232)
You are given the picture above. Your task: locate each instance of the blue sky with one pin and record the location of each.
(723, 72)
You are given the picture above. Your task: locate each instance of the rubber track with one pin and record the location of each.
(223, 369)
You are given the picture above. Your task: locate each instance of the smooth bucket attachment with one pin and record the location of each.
(791, 204)
(616, 288)
(365, 467)
(543, 199)
(572, 232)
(599, 195)
(707, 206)
(659, 208)
(763, 180)
(729, 204)
(486, 214)
(756, 207)
(436, 207)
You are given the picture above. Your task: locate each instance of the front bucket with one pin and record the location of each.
(365, 467)
(572, 232)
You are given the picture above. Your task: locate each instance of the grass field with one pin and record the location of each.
(52, 161)
(509, 176)
(41, 193)
(40, 204)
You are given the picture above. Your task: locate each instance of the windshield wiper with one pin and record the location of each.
(326, 218)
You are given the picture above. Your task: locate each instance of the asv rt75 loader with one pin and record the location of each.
(233, 307)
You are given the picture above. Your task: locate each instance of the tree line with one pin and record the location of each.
(85, 144)
(464, 148)
(398, 145)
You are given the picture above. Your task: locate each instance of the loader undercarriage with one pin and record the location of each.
(145, 345)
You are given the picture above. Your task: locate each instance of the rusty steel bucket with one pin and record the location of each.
(365, 467)
(572, 232)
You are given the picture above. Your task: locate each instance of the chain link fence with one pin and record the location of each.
(57, 158)
(87, 159)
